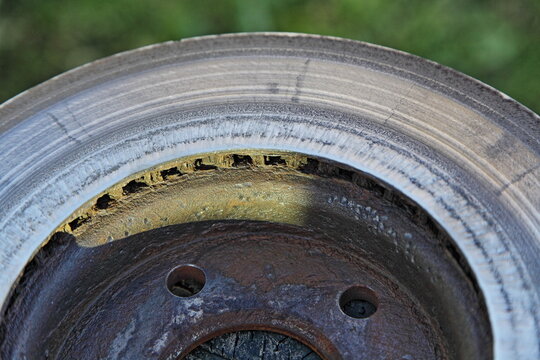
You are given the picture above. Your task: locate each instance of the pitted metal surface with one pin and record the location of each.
(295, 271)
(259, 276)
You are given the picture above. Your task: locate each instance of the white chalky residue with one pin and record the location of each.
(121, 341)
(160, 343)
(194, 315)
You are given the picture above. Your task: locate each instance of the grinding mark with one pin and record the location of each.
(64, 129)
(398, 104)
(518, 178)
(77, 121)
(300, 81)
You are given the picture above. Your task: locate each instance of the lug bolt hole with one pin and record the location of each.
(185, 280)
(358, 302)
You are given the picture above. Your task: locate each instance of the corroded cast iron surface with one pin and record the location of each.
(258, 276)
(357, 269)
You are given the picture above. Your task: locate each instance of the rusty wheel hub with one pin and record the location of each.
(344, 279)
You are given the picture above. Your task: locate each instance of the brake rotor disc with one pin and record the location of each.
(373, 285)
(268, 196)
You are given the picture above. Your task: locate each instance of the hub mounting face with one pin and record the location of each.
(269, 244)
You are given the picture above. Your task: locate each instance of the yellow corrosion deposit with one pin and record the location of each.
(252, 185)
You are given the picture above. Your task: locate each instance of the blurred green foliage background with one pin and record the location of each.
(496, 41)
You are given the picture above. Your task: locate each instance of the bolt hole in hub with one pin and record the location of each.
(358, 302)
(186, 281)
(267, 247)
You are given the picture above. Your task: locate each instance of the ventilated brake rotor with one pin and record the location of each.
(268, 196)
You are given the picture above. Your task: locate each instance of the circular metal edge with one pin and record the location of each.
(490, 103)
